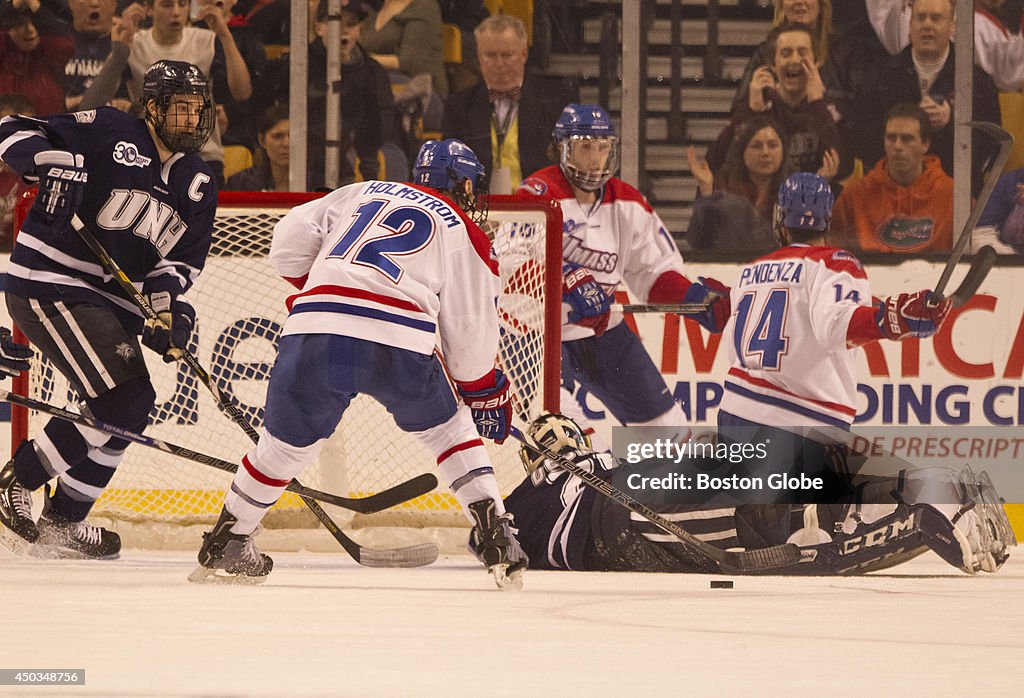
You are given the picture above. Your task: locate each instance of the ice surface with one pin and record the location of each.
(322, 625)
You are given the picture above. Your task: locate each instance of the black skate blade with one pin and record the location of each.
(505, 581)
(412, 556)
(204, 575)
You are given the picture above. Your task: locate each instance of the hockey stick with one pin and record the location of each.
(749, 561)
(1005, 141)
(412, 556)
(980, 267)
(681, 308)
(419, 485)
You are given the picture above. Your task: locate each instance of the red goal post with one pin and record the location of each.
(240, 309)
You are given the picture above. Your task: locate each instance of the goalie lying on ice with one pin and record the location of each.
(563, 524)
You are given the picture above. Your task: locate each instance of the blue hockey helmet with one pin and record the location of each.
(182, 128)
(804, 203)
(586, 122)
(452, 167)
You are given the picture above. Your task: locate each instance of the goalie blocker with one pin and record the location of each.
(565, 525)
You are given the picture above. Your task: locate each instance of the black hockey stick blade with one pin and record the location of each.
(680, 308)
(385, 499)
(761, 561)
(980, 267)
(1005, 140)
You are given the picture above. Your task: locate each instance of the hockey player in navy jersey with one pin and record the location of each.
(612, 235)
(383, 268)
(139, 185)
(564, 524)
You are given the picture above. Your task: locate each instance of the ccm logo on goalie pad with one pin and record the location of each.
(492, 403)
(880, 536)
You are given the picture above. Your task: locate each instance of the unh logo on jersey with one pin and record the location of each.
(128, 154)
(156, 221)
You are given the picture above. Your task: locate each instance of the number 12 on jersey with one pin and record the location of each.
(406, 229)
(764, 346)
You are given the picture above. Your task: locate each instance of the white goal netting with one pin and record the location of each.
(240, 309)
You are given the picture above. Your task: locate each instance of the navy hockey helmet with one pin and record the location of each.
(184, 126)
(804, 203)
(558, 433)
(452, 167)
(586, 122)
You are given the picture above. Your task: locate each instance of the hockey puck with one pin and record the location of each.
(721, 584)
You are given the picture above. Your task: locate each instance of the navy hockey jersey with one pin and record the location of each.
(154, 219)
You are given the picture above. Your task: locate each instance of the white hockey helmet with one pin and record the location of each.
(558, 433)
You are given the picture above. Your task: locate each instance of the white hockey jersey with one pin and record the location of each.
(791, 364)
(618, 239)
(395, 264)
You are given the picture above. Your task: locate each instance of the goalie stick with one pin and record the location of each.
(681, 308)
(411, 556)
(402, 492)
(1005, 141)
(761, 561)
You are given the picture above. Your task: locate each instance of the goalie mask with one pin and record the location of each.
(178, 104)
(588, 150)
(805, 204)
(450, 166)
(558, 433)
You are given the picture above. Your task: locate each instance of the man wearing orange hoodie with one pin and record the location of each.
(905, 203)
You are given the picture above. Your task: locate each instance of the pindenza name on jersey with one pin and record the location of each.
(788, 271)
(418, 197)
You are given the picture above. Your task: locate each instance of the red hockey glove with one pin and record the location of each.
(716, 295)
(908, 315)
(491, 407)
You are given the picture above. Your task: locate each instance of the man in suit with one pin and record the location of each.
(507, 118)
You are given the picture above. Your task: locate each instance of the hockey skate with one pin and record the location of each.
(232, 554)
(494, 543)
(19, 530)
(60, 539)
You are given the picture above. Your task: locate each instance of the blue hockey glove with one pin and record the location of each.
(169, 337)
(13, 356)
(62, 180)
(908, 315)
(716, 295)
(589, 304)
(491, 407)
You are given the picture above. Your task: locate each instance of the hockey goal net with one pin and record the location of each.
(240, 309)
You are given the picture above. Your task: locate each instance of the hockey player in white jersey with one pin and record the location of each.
(612, 235)
(382, 269)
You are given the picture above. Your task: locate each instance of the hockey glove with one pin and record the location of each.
(716, 295)
(908, 315)
(13, 356)
(169, 336)
(491, 407)
(62, 179)
(588, 303)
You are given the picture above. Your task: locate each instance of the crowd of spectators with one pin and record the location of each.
(819, 94)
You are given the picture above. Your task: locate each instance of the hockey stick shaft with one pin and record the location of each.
(761, 560)
(979, 269)
(365, 505)
(412, 556)
(681, 308)
(1005, 141)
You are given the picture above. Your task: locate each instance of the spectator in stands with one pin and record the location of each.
(33, 50)
(369, 120)
(466, 15)
(1002, 222)
(922, 73)
(91, 24)
(270, 171)
(404, 36)
(791, 92)
(733, 209)
(241, 113)
(507, 119)
(269, 18)
(904, 204)
(171, 38)
(997, 50)
(12, 186)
